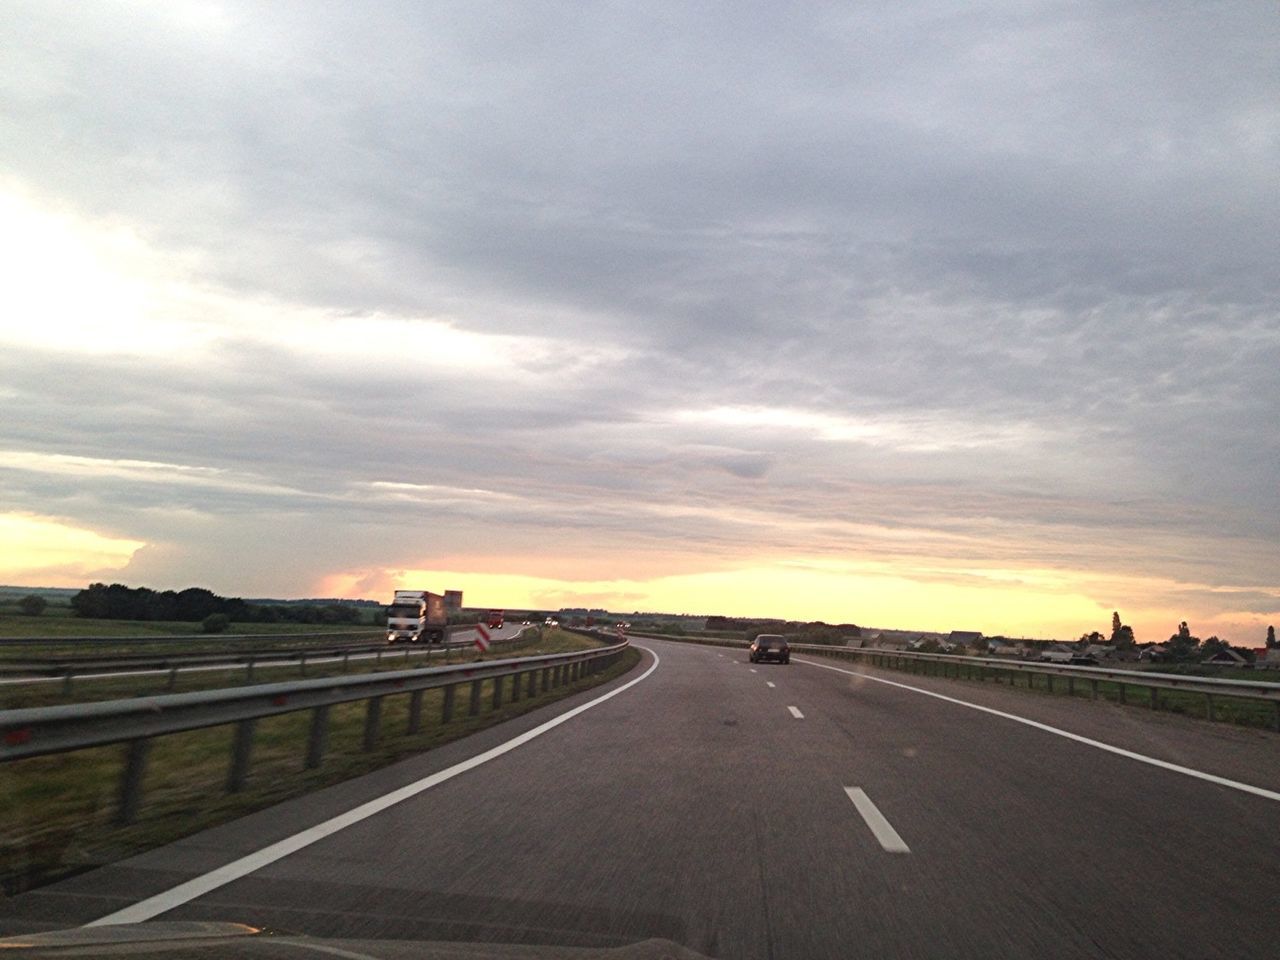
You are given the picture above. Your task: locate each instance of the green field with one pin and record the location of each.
(58, 813)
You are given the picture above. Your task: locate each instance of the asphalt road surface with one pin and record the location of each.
(768, 812)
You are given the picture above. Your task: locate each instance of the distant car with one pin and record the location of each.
(1083, 660)
(770, 646)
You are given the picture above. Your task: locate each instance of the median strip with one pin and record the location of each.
(198, 886)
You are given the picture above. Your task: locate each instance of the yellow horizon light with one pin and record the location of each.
(34, 547)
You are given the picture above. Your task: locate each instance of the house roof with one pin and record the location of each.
(964, 636)
(1226, 655)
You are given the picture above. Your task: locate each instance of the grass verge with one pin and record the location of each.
(59, 812)
(1237, 710)
(89, 689)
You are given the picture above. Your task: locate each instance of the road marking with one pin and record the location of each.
(770, 683)
(796, 713)
(754, 670)
(1118, 751)
(199, 886)
(882, 828)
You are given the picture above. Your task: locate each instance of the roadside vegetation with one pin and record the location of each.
(1244, 712)
(59, 813)
(399, 657)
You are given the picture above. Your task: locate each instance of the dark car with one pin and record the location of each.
(770, 646)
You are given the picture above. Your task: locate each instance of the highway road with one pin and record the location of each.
(459, 637)
(810, 810)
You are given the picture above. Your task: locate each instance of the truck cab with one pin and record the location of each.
(416, 616)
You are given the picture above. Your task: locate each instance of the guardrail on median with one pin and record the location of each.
(41, 731)
(985, 668)
(188, 638)
(68, 668)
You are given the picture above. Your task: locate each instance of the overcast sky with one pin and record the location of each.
(936, 315)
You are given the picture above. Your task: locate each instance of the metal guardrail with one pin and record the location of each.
(950, 665)
(42, 731)
(330, 635)
(68, 668)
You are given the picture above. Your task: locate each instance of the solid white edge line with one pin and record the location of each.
(198, 886)
(880, 827)
(1118, 751)
(796, 713)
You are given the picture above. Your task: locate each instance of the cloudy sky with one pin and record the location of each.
(921, 314)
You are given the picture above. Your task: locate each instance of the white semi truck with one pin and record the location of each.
(416, 616)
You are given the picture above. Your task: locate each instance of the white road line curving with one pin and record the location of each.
(770, 683)
(199, 886)
(796, 713)
(880, 827)
(1057, 731)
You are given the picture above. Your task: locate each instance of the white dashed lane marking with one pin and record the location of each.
(880, 827)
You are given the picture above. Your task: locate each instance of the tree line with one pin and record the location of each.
(1181, 647)
(100, 601)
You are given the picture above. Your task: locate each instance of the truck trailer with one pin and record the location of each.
(416, 616)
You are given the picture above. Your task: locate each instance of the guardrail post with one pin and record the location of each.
(446, 712)
(1071, 686)
(135, 768)
(248, 670)
(346, 661)
(1122, 699)
(575, 671)
(172, 682)
(474, 709)
(1208, 706)
(302, 665)
(515, 687)
(66, 683)
(415, 711)
(241, 751)
(318, 738)
(1093, 688)
(1275, 724)
(372, 721)
(546, 678)
(1155, 698)
(497, 692)
(1049, 681)
(532, 688)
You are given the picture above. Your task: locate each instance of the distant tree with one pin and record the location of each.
(1094, 637)
(1124, 638)
(215, 623)
(1182, 645)
(1271, 638)
(1115, 625)
(32, 605)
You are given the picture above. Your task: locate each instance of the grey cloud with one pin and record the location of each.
(1060, 219)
